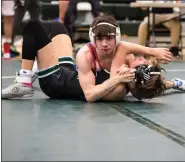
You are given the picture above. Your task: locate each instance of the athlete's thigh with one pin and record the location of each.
(54, 85)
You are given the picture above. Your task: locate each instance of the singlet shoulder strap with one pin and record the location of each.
(93, 51)
(93, 54)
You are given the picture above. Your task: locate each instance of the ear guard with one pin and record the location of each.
(143, 73)
(92, 35)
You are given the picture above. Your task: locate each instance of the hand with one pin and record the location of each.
(163, 55)
(123, 69)
(127, 76)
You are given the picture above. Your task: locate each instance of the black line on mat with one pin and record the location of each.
(152, 125)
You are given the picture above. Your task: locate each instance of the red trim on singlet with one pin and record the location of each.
(94, 59)
(94, 53)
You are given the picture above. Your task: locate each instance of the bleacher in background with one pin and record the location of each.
(127, 17)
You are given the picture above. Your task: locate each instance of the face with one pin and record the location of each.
(138, 61)
(105, 45)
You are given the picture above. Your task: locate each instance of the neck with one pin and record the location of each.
(105, 59)
(106, 62)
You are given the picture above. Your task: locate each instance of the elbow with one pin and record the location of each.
(90, 98)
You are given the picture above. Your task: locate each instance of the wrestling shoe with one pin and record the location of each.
(179, 84)
(17, 90)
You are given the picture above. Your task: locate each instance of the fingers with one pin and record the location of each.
(123, 69)
(166, 49)
(168, 58)
(168, 54)
(129, 76)
(164, 54)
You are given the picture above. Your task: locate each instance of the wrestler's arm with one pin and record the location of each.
(86, 77)
(160, 53)
(120, 91)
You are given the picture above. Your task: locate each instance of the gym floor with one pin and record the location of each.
(55, 130)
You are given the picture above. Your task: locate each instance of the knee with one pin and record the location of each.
(143, 25)
(57, 28)
(30, 25)
(34, 21)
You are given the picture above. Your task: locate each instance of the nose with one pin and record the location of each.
(104, 42)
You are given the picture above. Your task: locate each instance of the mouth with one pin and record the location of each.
(105, 49)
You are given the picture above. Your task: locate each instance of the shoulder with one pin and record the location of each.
(84, 56)
(123, 44)
(121, 48)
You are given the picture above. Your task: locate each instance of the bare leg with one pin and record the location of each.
(27, 64)
(61, 43)
(8, 21)
(47, 56)
(60, 46)
(174, 26)
(17, 22)
(142, 32)
(175, 83)
(36, 43)
(8, 13)
(63, 5)
(168, 84)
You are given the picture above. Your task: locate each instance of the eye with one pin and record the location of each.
(109, 38)
(99, 38)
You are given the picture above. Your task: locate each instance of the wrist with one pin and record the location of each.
(118, 79)
(152, 52)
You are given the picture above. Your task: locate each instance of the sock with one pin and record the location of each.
(175, 83)
(24, 72)
(35, 68)
(8, 40)
(25, 77)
